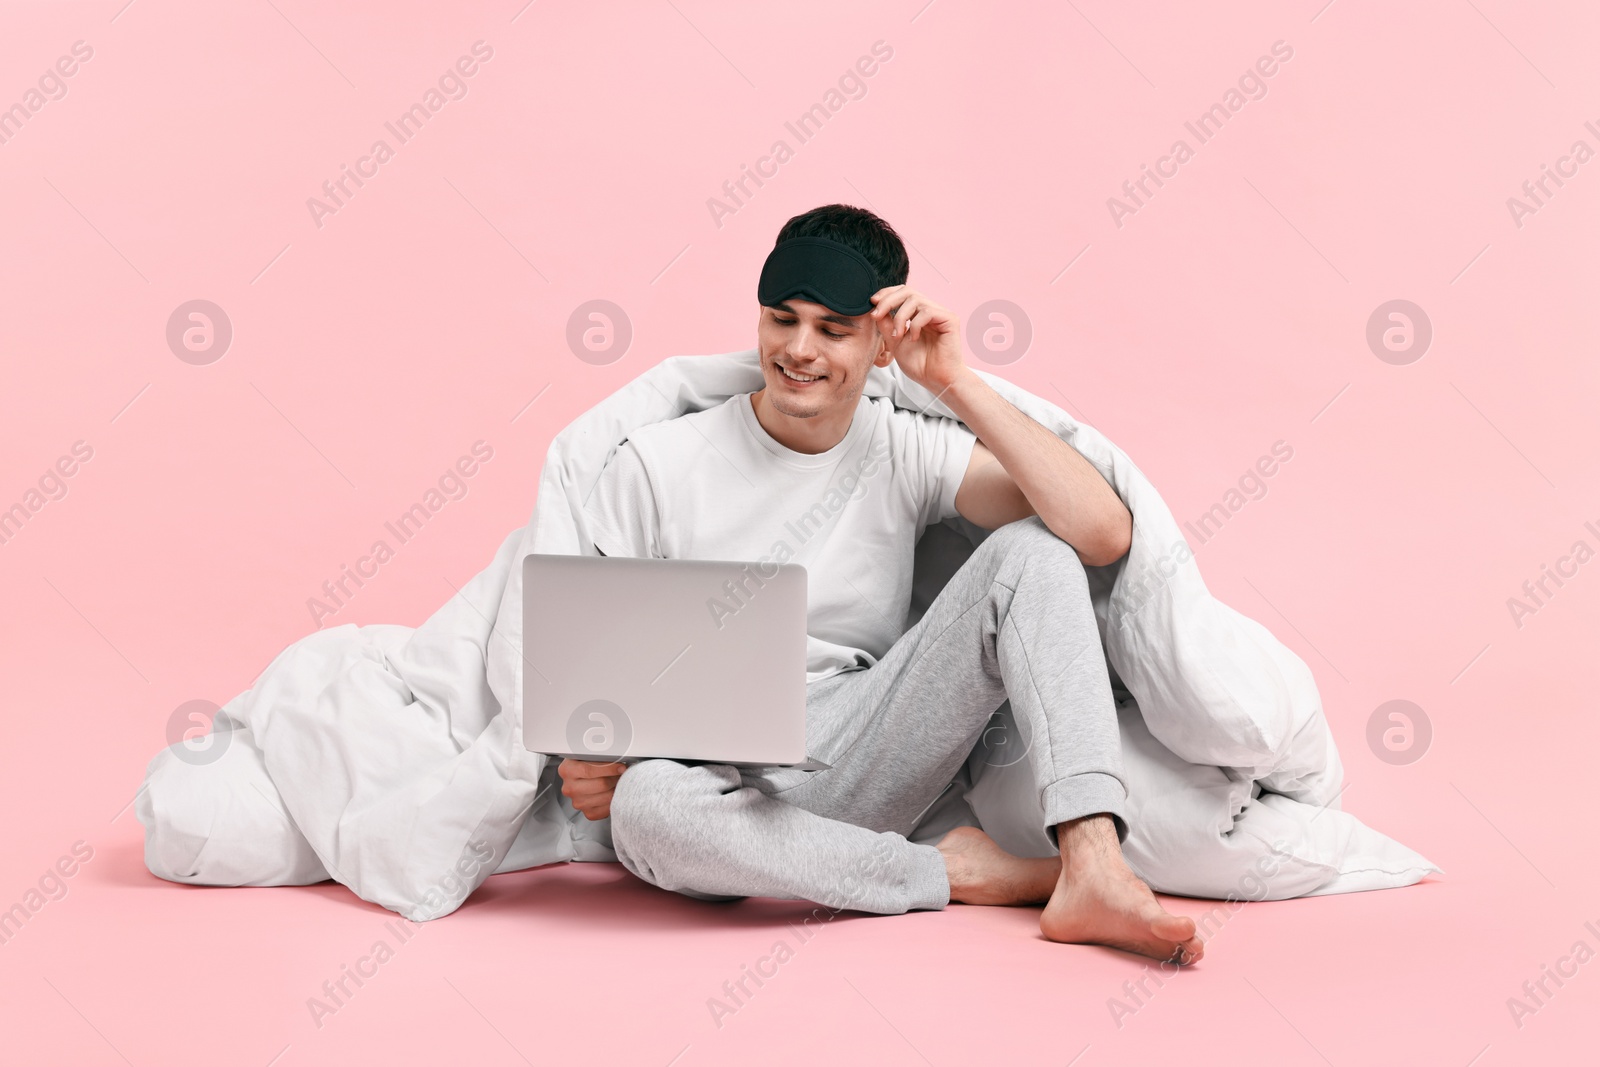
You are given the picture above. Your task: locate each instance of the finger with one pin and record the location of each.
(588, 781)
(578, 768)
(573, 768)
(916, 322)
(603, 770)
(883, 300)
(885, 327)
(927, 315)
(892, 304)
(589, 787)
(589, 795)
(903, 313)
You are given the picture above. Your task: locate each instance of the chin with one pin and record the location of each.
(796, 407)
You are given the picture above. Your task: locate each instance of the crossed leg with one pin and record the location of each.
(1014, 622)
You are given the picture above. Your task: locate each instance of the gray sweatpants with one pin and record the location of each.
(1014, 622)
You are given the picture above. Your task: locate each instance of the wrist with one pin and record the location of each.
(955, 387)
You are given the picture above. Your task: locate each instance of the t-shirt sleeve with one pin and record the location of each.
(947, 446)
(621, 513)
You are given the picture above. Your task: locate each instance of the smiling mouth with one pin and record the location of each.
(801, 379)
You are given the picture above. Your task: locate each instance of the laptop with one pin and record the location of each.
(695, 660)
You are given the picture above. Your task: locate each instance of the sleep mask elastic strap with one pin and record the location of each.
(820, 270)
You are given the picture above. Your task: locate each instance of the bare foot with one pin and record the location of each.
(1098, 900)
(981, 872)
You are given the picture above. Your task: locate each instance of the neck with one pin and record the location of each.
(808, 436)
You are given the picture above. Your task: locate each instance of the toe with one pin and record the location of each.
(1173, 927)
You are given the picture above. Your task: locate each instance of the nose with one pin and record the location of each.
(802, 344)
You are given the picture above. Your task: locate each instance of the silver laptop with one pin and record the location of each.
(695, 660)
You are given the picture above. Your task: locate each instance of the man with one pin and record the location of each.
(893, 712)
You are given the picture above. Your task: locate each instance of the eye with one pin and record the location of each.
(782, 321)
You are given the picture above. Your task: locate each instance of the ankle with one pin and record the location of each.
(957, 872)
(1090, 840)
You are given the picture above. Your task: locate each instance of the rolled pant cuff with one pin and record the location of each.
(927, 884)
(1089, 793)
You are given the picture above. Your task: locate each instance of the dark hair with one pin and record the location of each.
(861, 230)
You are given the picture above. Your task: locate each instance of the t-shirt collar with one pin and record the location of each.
(806, 460)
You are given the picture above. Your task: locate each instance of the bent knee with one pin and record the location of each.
(658, 798)
(659, 811)
(1031, 540)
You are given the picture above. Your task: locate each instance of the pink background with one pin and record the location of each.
(1227, 314)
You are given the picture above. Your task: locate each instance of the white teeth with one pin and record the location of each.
(798, 377)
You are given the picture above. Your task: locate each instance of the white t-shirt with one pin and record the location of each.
(714, 484)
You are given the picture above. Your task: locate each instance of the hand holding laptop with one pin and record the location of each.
(590, 785)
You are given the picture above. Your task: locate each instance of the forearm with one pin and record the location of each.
(1062, 487)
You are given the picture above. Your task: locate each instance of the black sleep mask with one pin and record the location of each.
(820, 270)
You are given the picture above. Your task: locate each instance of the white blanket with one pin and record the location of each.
(391, 758)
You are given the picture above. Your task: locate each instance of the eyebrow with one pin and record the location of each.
(841, 320)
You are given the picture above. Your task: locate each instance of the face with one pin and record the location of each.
(810, 341)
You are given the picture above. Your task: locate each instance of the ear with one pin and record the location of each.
(884, 356)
